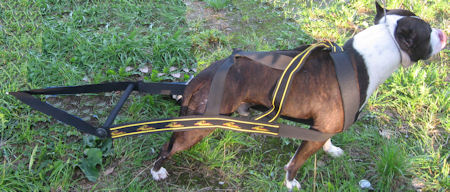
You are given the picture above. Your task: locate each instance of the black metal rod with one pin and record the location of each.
(118, 106)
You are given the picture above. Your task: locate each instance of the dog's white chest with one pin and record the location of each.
(380, 55)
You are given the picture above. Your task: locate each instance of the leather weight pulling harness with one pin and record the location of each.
(263, 124)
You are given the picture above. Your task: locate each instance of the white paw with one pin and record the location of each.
(177, 97)
(291, 184)
(332, 150)
(159, 175)
(335, 152)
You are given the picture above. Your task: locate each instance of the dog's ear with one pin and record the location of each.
(405, 36)
(380, 12)
(413, 37)
(380, 9)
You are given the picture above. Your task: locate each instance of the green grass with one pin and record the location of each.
(217, 4)
(391, 165)
(53, 43)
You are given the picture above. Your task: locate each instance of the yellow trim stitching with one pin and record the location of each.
(192, 119)
(279, 84)
(304, 53)
(290, 77)
(121, 134)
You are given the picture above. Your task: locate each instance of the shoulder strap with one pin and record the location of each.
(273, 60)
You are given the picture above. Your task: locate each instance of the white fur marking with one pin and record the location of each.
(290, 161)
(332, 150)
(159, 175)
(379, 51)
(291, 184)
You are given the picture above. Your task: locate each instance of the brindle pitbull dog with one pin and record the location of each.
(399, 38)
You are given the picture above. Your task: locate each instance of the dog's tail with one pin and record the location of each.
(194, 85)
(199, 82)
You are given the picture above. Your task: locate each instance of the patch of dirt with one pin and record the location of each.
(198, 11)
(199, 175)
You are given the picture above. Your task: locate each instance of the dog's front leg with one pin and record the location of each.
(306, 149)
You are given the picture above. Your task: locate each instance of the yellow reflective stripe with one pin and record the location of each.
(192, 119)
(289, 79)
(331, 44)
(305, 52)
(194, 127)
(279, 83)
(334, 47)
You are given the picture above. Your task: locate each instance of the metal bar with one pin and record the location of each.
(92, 88)
(118, 106)
(56, 113)
(162, 88)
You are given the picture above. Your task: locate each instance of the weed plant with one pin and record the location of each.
(392, 164)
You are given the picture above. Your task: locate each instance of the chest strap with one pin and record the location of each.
(348, 86)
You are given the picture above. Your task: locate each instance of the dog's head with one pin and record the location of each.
(413, 35)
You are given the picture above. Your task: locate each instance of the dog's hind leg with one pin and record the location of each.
(193, 103)
(178, 142)
(332, 150)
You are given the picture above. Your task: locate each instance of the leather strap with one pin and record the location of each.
(273, 60)
(348, 86)
(175, 124)
(217, 86)
(186, 123)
